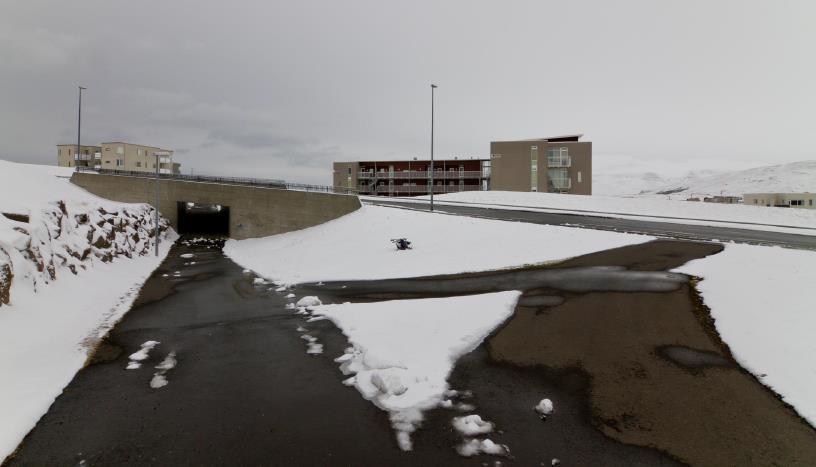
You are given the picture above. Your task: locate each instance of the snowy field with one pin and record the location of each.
(799, 221)
(52, 321)
(764, 302)
(357, 246)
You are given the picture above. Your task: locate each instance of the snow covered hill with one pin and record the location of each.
(792, 177)
(71, 265)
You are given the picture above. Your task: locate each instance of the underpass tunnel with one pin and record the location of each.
(203, 219)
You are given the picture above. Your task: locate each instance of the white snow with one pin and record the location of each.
(801, 221)
(357, 246)
(471, 425)
(308, 301)
(50, 324)
(158, 381)
(473, 447)
(186, 255)
(763, 300)
(168, 363)
(142, 353)
(403, 350)
(794, 177)
(544, 407)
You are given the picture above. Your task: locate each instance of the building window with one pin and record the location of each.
(559, 179)
(349, 170)
(810, 202)
(119, 162)
(558, 157)
(797, 202)
(138, 164)
(579, 176)
(107, 149)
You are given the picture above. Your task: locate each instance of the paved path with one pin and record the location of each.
(659, 229)
(244, 391)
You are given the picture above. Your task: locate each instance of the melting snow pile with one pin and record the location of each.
(403, 350)
(544, 408)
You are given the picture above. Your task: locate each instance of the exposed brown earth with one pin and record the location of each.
(687, 404)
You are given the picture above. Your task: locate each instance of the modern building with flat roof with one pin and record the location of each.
(118, 156)
(781, 200)
(558, 164)
(412, 177)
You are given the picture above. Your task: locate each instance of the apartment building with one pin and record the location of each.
(137, 158)
(413, 177)
(558, 164)
(67, 156)
(781, 200)
(118, 156)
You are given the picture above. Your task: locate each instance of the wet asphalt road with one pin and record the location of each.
(805, 241)
(244, 391)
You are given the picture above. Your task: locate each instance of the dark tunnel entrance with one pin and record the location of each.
(203, 219)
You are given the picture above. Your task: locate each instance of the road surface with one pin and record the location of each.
(658, 229)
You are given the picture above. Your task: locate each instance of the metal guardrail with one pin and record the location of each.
(259, 182)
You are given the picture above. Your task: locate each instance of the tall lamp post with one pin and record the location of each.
(158, 155)
(79, 127)
(433, 86)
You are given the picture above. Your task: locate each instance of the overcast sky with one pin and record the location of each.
(281, 89)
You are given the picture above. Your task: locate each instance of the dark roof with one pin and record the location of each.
(554, 139)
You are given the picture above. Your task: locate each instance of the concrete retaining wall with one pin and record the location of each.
(254, 211)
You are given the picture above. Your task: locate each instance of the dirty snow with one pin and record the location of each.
(403, 350)
(357, 246)
(38, 361)
(143, 353)
(308, 301)
(186, 255)
(545, 407)
(473, 447)
(159, 379)
(763, 300)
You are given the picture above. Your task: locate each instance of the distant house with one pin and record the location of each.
(723, 199)
(781, 200)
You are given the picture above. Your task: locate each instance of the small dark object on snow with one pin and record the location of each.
(401, 243)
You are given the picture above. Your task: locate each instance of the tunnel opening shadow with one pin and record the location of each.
(203, 219)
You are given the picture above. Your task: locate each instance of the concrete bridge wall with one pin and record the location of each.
(254, 211)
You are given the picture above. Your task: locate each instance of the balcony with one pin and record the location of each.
(422, 174)
(422, 189)
(559, 161)
(561, 183)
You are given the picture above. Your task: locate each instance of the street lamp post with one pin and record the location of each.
(433, 86)
(79, 127)
(157, 204)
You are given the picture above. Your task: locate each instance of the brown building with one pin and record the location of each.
(89, 156)
(781, 200)
(118, 156)
(560, 164)
(412, 177)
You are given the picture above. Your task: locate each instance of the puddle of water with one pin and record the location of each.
(579, 280)
(691, 358)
